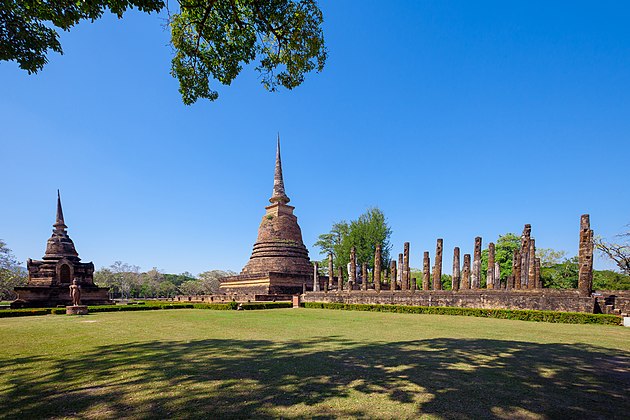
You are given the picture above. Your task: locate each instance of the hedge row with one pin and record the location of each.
(7, 313)
(115, 308)
(246, 306)
(517, 314)
(267, 305)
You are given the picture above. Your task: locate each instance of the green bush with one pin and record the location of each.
(6, 313)
(58, 311)
(515, 314)
(126, 308)
(9, 313)
(267, 305)
(245, 306)
(215, 306)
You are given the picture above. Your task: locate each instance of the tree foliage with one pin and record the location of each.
(11, 274)
(126, 281)
(214, 39)
(28, 28)
(369, 229)
(619, 251)
(503, 254)
(211, 39)
(563, 275)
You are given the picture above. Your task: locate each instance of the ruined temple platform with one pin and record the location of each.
(545, 299)
(269, 283)
(58, 295)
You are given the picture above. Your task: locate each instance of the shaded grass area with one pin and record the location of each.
(309, 363)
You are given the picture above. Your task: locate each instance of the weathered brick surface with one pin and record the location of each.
(585, 256)
(49, 279)
(279, 262)
(553, 300)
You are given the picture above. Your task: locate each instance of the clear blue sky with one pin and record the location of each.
(457, 119)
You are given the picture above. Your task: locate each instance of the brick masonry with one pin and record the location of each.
(548, 299)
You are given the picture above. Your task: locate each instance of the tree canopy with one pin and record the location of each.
(127, 281)
(211, 39)
(503, 254)
(618, 251)
(11, 274)
(364, 233)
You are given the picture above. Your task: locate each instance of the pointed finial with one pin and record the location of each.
(278, 196)
(59, 223)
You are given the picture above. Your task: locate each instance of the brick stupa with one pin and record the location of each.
(49, 279)
(279, 263)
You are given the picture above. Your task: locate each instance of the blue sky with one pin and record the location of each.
(458, 119)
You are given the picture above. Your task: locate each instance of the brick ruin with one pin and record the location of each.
(49, 279)
(279, 264)
(522, 289)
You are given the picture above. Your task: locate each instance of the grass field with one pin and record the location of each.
(309, 363)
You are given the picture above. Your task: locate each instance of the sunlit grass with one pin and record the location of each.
(309, 363)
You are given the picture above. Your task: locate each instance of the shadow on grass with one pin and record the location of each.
(243, 378)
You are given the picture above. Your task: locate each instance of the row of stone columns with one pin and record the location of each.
(525, 264)
(525, 267)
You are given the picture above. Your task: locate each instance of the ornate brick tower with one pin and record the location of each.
(279, 263)
(50, 278)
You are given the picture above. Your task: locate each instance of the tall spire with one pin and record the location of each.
(60, 245)
(278, 196)
(59, 223)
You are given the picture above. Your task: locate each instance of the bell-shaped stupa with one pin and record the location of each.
(279, 263)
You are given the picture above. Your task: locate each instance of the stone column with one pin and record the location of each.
(531, 271)
(426, 271)
(456, 272)
(406, 273)
(525, 238)
(413, 284)
(585, 257)
(475, 281)
(497, 276)
(364, 276)
(490, 272)
(352, 272)
(377, 268)
(516, 269)
(437, 268)
(339, 279)
(538, 282)
(465, 282)
(401, 271)
(392, 275)
(315, 277)
(331, 271)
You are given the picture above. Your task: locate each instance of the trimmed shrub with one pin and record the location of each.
(267, 305)
(58, 311)
(215, 306)
(126, 308)
(10, 313)
(515, 314)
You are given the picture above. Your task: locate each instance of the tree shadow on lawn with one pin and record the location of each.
(453, 378)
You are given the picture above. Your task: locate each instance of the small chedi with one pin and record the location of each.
(279, 264)
(49, 279)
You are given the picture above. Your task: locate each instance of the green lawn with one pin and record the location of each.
(309, 363)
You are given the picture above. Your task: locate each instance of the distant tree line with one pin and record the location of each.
(126, 281)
